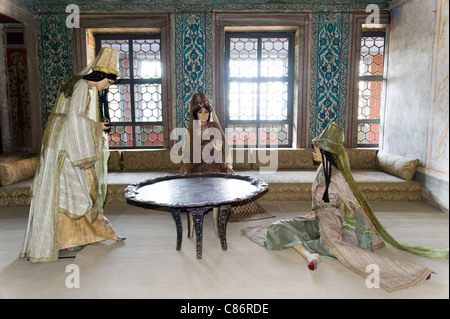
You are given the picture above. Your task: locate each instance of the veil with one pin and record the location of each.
(341, 159)
(198, 100)
(331, 140)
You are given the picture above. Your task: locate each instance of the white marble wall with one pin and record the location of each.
(416, 115)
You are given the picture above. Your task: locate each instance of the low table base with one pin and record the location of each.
(198, 214)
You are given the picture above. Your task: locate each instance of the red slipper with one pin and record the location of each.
(313, 261)
(312, 264)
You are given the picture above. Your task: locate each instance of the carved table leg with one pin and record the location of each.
(190, 223)
(197, 216)
(177, 218)
(216, 220)
(224, 214)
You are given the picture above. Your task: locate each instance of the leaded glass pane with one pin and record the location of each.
(370, 88)
(135, 102)
(121, 136)
(274, 134)
(369, 101)
(124, 59)
(372, 51)
(368, 133)
(259, 98)
(242, 135)
(275, 57)
(243, 57)
(147, 59)
(147, 101)
(242, 101)
(119, 103)
(273, 101)
(149, 135)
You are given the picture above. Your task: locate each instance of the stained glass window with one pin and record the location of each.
(135, 104)
(370, 88)
(259, 89)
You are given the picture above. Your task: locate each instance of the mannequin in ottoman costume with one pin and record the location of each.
(70, 184)
(337, 202)
(203, 117)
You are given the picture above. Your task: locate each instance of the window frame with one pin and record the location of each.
(131, 82)
(372, 78)
(289, 79)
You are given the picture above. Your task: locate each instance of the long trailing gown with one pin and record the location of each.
(67, 204)
(322, 232)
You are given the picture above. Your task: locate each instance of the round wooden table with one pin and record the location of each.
(196, 194)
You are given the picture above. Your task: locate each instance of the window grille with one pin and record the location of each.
(259, 89)
(370, 88)
(135, 104)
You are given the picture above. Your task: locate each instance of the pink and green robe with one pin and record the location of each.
(322, 231)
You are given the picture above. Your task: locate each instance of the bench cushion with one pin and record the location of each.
(287, 158)
(16, 171)
(361, 158)
(291, 181)
(396, 165)
(148, 160)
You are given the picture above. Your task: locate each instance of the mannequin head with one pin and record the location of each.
(203, 114)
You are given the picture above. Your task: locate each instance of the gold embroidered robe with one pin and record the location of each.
(67, 205)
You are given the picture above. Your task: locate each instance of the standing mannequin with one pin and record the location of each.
(70, 184)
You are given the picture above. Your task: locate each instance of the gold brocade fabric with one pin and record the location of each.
(71, 144)
(17, 171)
(77, 232)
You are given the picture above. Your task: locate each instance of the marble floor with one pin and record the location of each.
(148, 266)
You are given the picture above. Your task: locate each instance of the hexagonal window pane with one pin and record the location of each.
(147, 59)
(369, 101)
(274, 57)
(372, 51)
(241, 135)
(147, 100)
(119, 103)
(243, 57)
(137, 98)
(273, 134)
(368, 133)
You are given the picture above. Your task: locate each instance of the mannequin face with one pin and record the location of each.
(203, 115)
(316, 154)
(101, 85)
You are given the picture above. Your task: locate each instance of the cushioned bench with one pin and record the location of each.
(381, 177)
